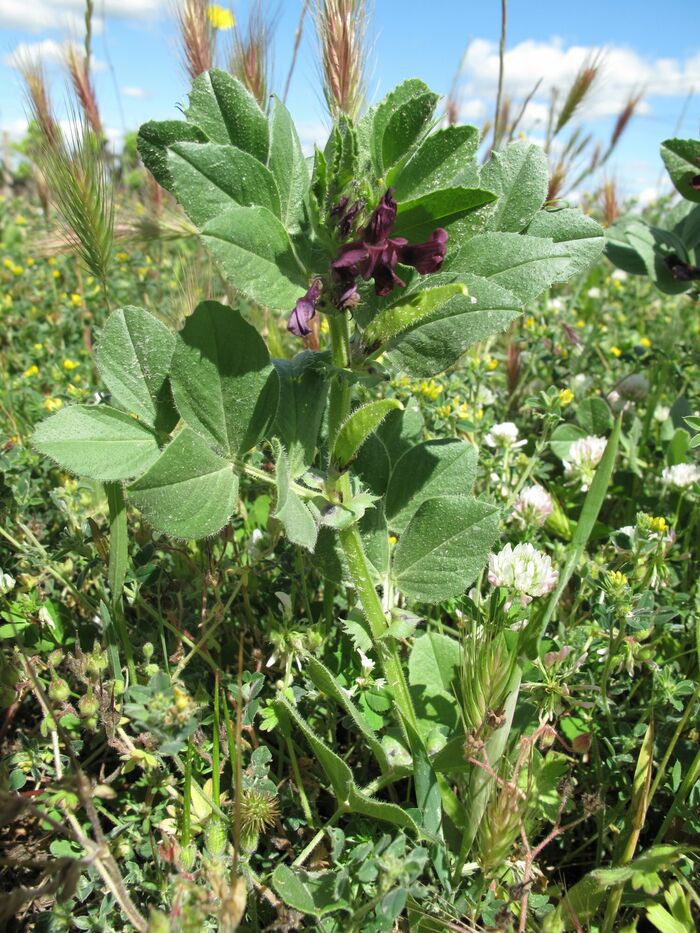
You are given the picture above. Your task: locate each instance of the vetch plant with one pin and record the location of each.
(394, 237)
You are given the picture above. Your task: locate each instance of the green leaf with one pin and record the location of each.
(519, 176)
(358, 427)
(655, 246)
(398, 122)
(580, 235)
(224, 384)
(349, 798)
(438, 341)
(324, 681)
(303, 392)
(682, 160)
(288, 165)
(444, 547)
(594, 416)
(293, 891)
(416, 219)
(97, 441)
(409, 311)
(153, 142)
(525, 265)
(223, 109)
(133, 356)
(292, 511)
(189, 492)
(208, 178)
(254, 254)
(440, 160)
(434, 662)
(563, 437)
(429, 470)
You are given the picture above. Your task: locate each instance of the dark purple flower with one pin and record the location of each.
(382, 220)
(304, 311)
(426, 257)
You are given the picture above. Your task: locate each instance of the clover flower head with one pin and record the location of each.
(584, 456)
(524, 569)
(533, 505)
(681, 475)
(7, 583)
(504, 435)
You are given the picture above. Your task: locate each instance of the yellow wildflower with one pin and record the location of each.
(17, 270)
(444, 410)
(20, 220)
(31, 371)
(616, 351)
(393, 539)
(220, 17)
(580, 323)
(566, 397)
(77, 378)
(70, 365)
(30, 261)
(52, 260)
(56, 274)
(52, 404)
(658, 524)
(7, 262)
(430, 389)
(645, 342)
(38, 347)
(529, 322)
(76, 300)
(324, 325)
(492, 363)
(122, 256)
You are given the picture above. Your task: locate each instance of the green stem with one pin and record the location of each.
(299, 782)
(187, 798)
(215, 749)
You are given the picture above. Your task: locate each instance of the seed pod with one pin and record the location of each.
(216, 837)
(187, 857)
(59, 691)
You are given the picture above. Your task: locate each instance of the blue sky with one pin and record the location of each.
(650, 45)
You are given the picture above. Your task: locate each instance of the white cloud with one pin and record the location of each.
(48, 52)
(35, 15)
(311, 134)
(623, 72)
(132, 91)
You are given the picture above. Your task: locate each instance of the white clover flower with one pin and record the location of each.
(504, 435)
(7, 583)
(681, 475)
(484, 396)
(661, 413)
(594, 293)
(619, 275)
(555, 304)
(533, 505)
(523, 569)
(580, 383)
(584, 456)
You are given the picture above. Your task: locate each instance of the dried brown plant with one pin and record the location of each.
(341, 26)
(196, 37)
(251, 52)
(39, 100)
(79, 71)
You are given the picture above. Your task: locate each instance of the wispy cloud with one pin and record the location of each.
(38, 15)
(624, 72)
(47, 52)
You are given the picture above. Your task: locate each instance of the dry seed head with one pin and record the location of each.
(557, 179)
(196, 36)
(79, 72)
(500, 827)
(624, 118)
(609, 202)
(579, 90)
(251, 53)
(38, 99)
(341, 26)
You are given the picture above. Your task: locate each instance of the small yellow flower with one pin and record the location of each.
(122, 256)
(7, 262)
(658, 524)
(580, 323)
(52, 260)
(529, 322)
(52, 404)
(645, 342)
(444, 411)
(220, 17)
(77, 378)
(76, 300)
(566, 397)
(56, 274)
(492, 364)
(30, 261)
(616, 351)
(392, 540)
(31, 371)
(20, 220)
(38, 347)
(324, 326)
(70, 365)
(17, 270)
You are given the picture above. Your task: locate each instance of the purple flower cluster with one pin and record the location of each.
(374, 256)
